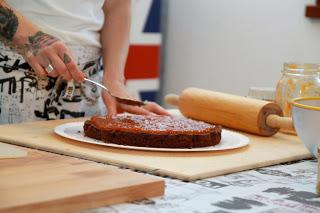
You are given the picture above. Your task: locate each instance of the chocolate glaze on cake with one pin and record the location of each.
(153, 131)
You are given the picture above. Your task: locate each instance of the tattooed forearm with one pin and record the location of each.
(8, 23)
(24, 43)
(8, 27)
(39, 41)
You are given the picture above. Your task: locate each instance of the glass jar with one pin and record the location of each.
(298, 80)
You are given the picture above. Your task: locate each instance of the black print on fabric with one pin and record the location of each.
(30, 82)
(72, 114)
(91, 66)
(72, 93)
(12, 82)
(59, 91)
(69, 93)
(11, 87)
(46, 111)
(7, 68)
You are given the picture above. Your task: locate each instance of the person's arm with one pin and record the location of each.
(115, 44)
(38, 48)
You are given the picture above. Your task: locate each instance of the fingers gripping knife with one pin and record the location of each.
(122, 100)
(237, 112)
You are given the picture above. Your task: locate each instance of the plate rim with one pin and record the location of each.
(59, 130)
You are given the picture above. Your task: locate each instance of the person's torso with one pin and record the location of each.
(76, 22)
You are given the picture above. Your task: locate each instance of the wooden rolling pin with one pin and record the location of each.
(237, 112)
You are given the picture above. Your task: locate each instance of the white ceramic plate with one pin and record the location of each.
(230, 140)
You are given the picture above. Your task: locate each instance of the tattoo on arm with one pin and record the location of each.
(66, 59)
(39, 41)
(8, 27)
(8, 23)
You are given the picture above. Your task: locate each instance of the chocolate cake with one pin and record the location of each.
(152, 131)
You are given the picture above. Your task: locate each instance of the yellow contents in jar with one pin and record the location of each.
(298, 80)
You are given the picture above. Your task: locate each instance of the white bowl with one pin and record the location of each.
(306, 118)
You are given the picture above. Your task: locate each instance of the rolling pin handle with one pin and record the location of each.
(277, 121)
(172, 99)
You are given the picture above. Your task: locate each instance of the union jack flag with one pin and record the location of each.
(143, 63)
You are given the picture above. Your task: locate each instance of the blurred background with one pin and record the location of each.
(221, 45)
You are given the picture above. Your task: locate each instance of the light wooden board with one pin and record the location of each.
(262, 151)
(47, 182)
(10, 151)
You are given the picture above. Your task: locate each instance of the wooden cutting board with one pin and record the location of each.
(262, 151)
(47, 182)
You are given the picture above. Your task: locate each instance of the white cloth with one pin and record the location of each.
(76, 22)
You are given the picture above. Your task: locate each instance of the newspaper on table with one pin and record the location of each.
(281, 188)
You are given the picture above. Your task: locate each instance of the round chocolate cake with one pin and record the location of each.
(152, 131)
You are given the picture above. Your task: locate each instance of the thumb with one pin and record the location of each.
(110, 103)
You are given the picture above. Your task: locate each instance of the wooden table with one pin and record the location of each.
(47, 182)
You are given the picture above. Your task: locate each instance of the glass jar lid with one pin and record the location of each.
(301, 68)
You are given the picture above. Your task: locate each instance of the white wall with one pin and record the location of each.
(230, 45)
